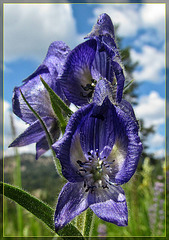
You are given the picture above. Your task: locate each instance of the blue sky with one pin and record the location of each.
(30, 28)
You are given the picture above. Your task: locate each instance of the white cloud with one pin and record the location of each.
(156, 143)
(157, 140)
(20, 126)
(30, 28)
(133, 17)
(151, 61)
(151, 109)
(152, 15)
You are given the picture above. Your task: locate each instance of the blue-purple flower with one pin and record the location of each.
(99, 151)
(38, 97)
(91, 61)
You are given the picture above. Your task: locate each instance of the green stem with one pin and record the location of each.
(80, 222)
(88, 223)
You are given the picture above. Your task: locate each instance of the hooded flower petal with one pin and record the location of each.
(71, 202)
(107, 59)
(103, 26)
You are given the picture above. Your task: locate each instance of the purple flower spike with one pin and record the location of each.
(99, 151)
(38, 97)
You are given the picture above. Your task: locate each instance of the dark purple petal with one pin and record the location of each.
(120, 80)
(77, 73)
(115, 193)
(32, 134)
(99, 129)
(56, 56)
(102, 90)
(110, 211)
(103, 26)
(71, 202)
(36, 95)
(63, 147)
(127, 108)
(108, 63)
(34, 91)
(103, 63)
(127, 148)
(41, 147)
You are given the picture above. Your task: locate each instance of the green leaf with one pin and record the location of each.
(38, 208)
(32, 204)
(57, 104)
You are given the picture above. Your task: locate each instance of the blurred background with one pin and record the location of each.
(28, 31)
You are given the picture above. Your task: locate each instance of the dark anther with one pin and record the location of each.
(84, 184)
(102, 49)
(82, 95)
(89, 95)
(90, 187)
(93, 81)
(105, 186)
(97, 154)
(87, 87)
(99, 116)
(82, 170)
(80, 163)
(78, 173)
(89, 153)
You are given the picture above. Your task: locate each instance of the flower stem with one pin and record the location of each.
(88, 225)
(80, 222)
